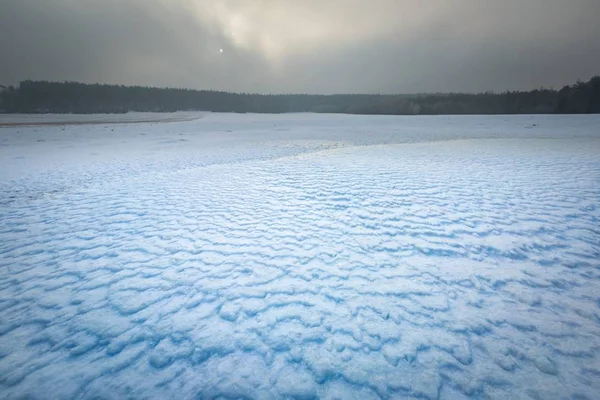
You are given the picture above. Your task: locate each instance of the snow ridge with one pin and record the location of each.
(439, 270)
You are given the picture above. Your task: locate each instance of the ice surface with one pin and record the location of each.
(74, 119)
(302, 256)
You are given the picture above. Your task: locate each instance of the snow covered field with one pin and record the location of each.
(302, 256)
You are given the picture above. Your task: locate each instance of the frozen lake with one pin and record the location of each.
(301, 256)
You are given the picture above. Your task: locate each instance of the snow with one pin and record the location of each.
(301, 256)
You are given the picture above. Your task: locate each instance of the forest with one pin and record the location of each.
(81, 98)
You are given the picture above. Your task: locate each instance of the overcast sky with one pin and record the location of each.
(317, 46)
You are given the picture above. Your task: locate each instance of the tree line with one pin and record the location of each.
(73, 97)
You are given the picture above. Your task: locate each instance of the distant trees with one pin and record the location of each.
(73, 97)
(7, 98)
(583, 97)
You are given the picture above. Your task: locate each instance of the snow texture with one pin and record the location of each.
(302, 256)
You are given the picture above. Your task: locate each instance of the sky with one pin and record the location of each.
(303, 46)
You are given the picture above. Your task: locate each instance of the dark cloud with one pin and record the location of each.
(309, 46)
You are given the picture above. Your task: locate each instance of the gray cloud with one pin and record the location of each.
(320, 46)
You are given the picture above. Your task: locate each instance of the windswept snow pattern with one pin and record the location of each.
(301, 256)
